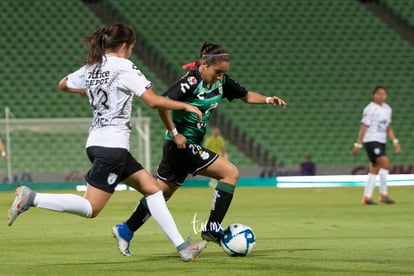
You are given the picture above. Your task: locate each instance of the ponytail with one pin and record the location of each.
(110, 38)
(96, 46)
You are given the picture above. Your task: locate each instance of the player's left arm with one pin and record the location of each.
(234, 90)
(257, 98)
(394, 139)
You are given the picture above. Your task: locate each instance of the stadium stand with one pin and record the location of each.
(404, 9)
(41, 42)
(39, 48)
(323, 57)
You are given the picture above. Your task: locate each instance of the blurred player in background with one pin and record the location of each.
(375, 125)
(307, 167)
(204, 86)
(216, 144)
(111, 81)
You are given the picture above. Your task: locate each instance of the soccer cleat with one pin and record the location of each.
(123, 236)
(23, 201)
(189, 253)
(368, 201)
(213, 236)
(384, 198)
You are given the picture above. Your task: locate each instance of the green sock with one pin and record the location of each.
(225, 187)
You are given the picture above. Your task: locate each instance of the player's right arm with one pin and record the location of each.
(179, 139)
(365, 123)
(178, 92)
(155, 101)
(63, 86)
(358, 144)
(133, 80)
(77, 82)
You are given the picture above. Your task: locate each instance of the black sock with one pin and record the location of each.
(139, 216)
(223, 194)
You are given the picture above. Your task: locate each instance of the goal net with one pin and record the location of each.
(53, 149)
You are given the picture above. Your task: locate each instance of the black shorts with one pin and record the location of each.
(374, 150)
(176, 163)
(109, 167)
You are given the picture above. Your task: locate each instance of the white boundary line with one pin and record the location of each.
(339, 181)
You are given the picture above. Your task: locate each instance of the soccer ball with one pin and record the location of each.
(238, 240)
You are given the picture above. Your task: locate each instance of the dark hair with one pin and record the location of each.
(213, 53)
(108, 38)
(377, 88)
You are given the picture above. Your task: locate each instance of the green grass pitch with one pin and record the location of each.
(321, 231)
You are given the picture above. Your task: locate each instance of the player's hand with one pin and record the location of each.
(277, 101)
(195, 110)
(397, 148)
(180, 141)
(355, 150)
(83, 92)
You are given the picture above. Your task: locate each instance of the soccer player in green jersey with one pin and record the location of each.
(204, 86)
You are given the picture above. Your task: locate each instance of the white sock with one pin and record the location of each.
(383, 174)
(370, 185)
(159, 211)
(68, 203)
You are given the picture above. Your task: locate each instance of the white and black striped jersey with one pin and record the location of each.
(377, 118)
(111, 88)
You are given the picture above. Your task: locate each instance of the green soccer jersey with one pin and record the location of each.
(192, 90)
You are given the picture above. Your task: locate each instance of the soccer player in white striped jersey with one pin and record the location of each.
(375, 125)
(111, 80)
